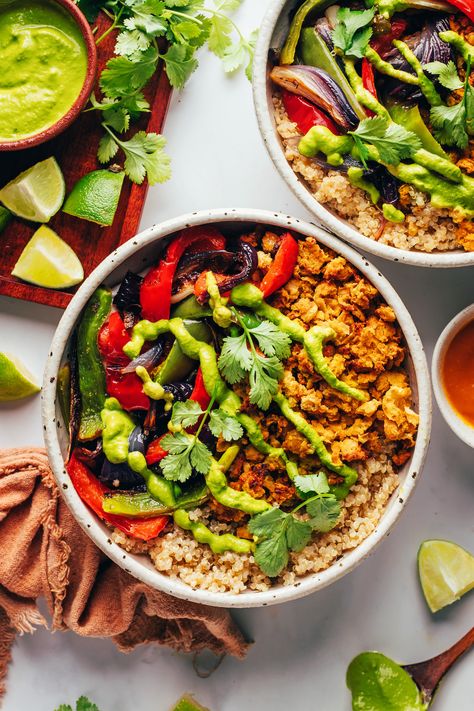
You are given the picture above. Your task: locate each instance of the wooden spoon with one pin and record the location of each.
(428, 674)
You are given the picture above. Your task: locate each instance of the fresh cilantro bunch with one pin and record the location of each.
(82, 704)
(240, 358)
(279, 532)
(353, 32)
(452, 125)
(392, 141)
(145, 27)
(186, 451)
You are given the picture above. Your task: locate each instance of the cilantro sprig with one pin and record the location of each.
(186, 452)
(240, 358)
(447, 74)
(185, 26)
(353, 32)
(392, 141)
(452, 125)
(82, 704)
(280, 532)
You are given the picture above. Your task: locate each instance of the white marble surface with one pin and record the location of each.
(301, 649)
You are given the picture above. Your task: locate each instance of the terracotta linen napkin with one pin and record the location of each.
(44, 553)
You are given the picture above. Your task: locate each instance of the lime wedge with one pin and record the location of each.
(95, 197)
(5, 216)
(16, 381)
(187, 703)
(37, 194)
(446, 572)
(48, 261)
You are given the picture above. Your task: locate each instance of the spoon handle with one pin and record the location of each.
(428, 674)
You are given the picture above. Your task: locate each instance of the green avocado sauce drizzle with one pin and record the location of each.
(377, 683)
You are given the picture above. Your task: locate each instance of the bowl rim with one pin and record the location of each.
(89, 521)
(260, 87)
(451, 417)
(91, 70)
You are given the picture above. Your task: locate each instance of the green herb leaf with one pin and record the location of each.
(200, 457)
(107, 148)
(235, 358)
(298, 533)
(122, 76)
(235, 56)
(176, 466)
(312, 483)
(272, 341)
(90, 8)
(186, 413)
(83, 704)
(271, 554)
(145, 157)
(131, 44)
(64, 707)
(449, 124)
(351, 34)
(220, 423)
(180, 64)
(324, 512)
(278, 533)
(220, 35)
(447, 74)
(392, 141)
(263, 379)
(147, 16)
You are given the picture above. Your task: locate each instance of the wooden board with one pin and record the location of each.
(76, 153)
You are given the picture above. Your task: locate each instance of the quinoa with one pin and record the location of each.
(425, 227)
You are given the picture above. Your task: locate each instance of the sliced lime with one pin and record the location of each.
(16, 381)
(5, 217)
(36, 194)
(95, 197)
(48, 261)
(187, 703)
(446, 572)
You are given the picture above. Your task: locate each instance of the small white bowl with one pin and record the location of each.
(272, 35)
(454, 420)
(136, 255)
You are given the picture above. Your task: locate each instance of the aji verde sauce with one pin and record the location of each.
(44, 64)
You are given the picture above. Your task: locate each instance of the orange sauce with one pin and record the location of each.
(458, 373)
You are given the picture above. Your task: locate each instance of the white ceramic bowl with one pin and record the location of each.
(272, 34)
(457, 424)
(136, 255)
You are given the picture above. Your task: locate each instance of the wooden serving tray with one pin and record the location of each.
(76, 152)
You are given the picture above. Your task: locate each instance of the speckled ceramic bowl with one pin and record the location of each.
(136, 255)
(271, 36)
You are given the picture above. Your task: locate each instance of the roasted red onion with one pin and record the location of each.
(317, 86)
(127, 298)
(148, 359)
(191, 265)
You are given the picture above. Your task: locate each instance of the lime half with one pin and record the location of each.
(95, 197)
(48, 261)
(37, 194)
(16, 382)
(446, 572)
(187, 703)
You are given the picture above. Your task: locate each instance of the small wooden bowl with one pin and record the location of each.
(83, 97)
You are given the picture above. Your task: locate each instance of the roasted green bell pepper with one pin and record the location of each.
(176, 365)
(190, 308)
(143, 505)
(91, 375)
(287, 55)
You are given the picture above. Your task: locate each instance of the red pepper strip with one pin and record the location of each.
(368, 80)
(155, 291)
(282, 267)
(92, 491)
(383, 43)
(128, 388)
(466, 6)
(305, 114)
(155, 452)
(200, 285)
(200, 394)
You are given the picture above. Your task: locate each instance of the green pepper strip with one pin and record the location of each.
(143, 505)
(350, 475)
(312, 340)
(386, 68)
(287, 54)
(460, 45)
(425, 84)
(158, 487)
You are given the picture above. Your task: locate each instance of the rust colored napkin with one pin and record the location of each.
(44, 553)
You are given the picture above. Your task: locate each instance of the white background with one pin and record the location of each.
(301, 649)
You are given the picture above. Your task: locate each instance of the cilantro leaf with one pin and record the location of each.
(228, 5)
(145, 157)
(200, 457)
(108, 148)
(176, 443)
(272, 341)
(278, 533)
(176, 466)
(298, 533)
(90, 8)
(263, 379)
(220, 35)
(447, 74)
(252, 41)
(449, 124)
(235, 56)
(186, 413)
(64, 707)
(180, 63)
(271, 554)
(312, 483)
(235, 358)
(392, 141)
(351, 34)
(83, 704)
(117, 117)
(220, 423)
(121, 76)
(324, 513)
(131, 43)
(147, 16)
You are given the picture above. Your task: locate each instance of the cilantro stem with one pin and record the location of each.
(206, 414)
(307, 501)
(112, 26)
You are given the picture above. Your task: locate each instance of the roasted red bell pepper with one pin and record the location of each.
(368, 80)
(383, 43)
(305, 114)
(155, 290)
(282, 267)
(200, 285)
(466, 6)
(200, 394)
(92, 492)
(128, 388)
(155, 452)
